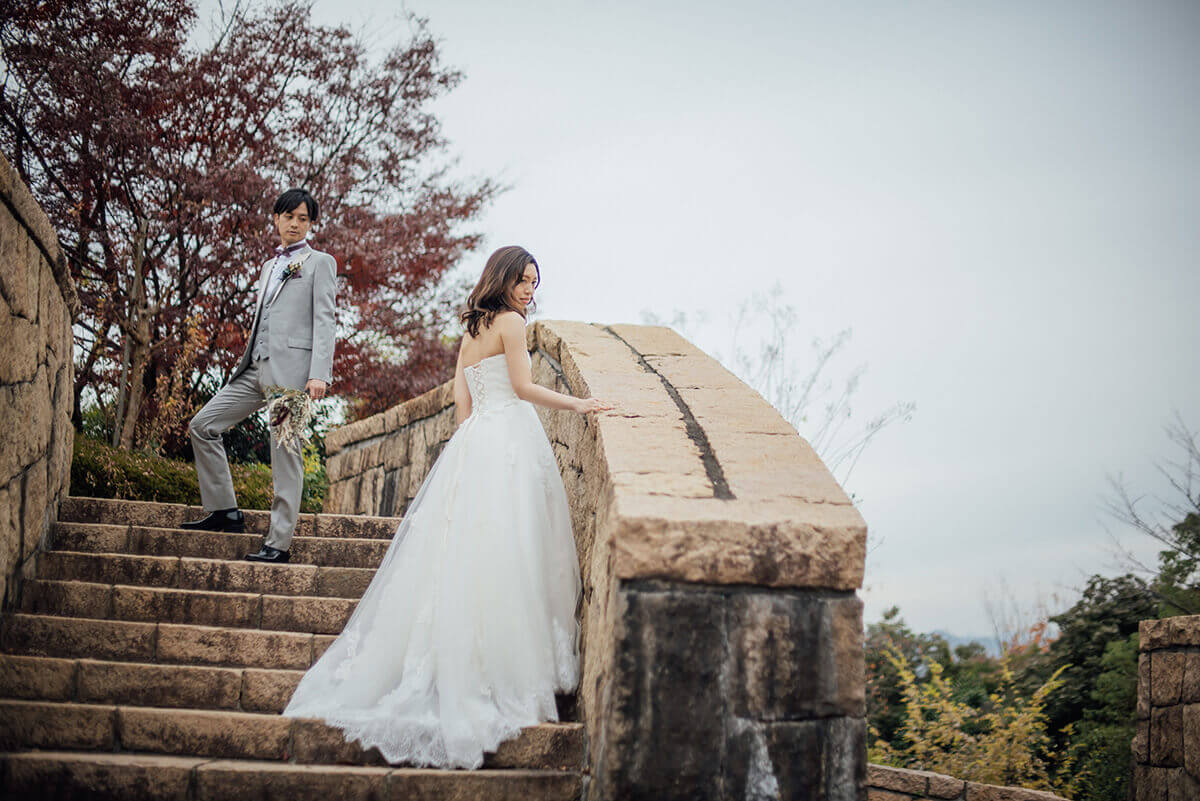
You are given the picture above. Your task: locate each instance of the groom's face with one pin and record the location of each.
(293, 225)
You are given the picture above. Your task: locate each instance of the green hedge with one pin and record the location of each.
(101, 471)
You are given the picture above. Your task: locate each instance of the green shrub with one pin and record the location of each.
(102, 471)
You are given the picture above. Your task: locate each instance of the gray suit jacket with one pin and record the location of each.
(302, 328)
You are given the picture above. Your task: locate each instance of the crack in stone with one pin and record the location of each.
(716, 474)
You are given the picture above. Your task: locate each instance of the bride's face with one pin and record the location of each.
(522, 293)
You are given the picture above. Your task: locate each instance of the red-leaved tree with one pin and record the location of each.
(158, 158)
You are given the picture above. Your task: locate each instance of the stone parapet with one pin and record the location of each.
(722, 636)
(1166, 744)
(37, 306)
(886, 783)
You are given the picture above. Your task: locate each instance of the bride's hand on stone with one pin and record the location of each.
(589, 405)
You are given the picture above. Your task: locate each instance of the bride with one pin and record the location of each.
(468, 628)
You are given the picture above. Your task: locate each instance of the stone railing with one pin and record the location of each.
(897, 784)
(722, 633)
(1166, 745)
(37, 305)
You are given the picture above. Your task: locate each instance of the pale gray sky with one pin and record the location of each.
(999, 198)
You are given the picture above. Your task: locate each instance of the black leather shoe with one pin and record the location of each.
(269, 554)
(220, 520)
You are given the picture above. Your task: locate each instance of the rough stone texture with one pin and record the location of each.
(37, 305)
(131, 777)
(158, 685)
(886, 783)
(232, 735)
(36, 678)
(1166, 744)
(37, 724)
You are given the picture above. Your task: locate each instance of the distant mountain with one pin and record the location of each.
(988, 641)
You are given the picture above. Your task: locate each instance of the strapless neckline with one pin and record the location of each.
(481, 361)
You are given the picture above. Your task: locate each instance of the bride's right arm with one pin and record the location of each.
(512, 334)
(462, 396)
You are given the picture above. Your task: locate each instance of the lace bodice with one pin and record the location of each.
(489, 385)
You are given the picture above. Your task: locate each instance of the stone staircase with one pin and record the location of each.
(148, 662)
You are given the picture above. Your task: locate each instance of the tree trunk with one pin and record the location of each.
(137, 344)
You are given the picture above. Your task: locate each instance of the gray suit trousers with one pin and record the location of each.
(236, 401)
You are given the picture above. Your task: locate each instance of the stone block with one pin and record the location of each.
(37, 678)
(825, 551)
(20, 356)
(319, 615)
(197, 607)
(1141, 741)
(823, 759)
(268, 690)
(547, 746)
(91, 537)
(161, 571)
(1166, 736)
(24, 445)
(36, 635)
(67, 598)
(1190, 691)
(199, 544)
(991, 792)
(1181, 632)
(19, 273)
(883, 777)
(355, 526)
(55, 726)
(231, 735)
(665, 722)
(483, 785)
(1143, 691)
(1166, 672)
(339, 551)
(130, 777)
(875, 794)
(797, 656)
(1150, 783)
(35, 514)
(209, 574)
(316, 742)
(222, 780)
(203, 645)
(320, 644)
(158, 685)
(1191, 739)
(342, 582)
(945, 786)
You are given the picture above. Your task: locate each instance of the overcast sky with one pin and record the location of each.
(999, 199)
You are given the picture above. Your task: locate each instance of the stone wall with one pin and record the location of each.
(722, 631)
(898, 784)
(37, 305)
(1166, 746)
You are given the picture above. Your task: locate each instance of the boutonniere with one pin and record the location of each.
(292, 269)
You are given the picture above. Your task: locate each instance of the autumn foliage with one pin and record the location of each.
(157, 146)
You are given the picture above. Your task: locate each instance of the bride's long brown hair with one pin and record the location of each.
(504, 270)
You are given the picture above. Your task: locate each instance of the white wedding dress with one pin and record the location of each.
(468, 628)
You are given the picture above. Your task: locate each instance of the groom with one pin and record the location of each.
(291, 344)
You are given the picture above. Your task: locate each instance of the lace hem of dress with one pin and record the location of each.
(421, 742)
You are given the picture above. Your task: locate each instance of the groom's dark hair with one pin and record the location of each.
(292, 198)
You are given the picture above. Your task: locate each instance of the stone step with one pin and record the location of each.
(170, 643)
(75, 775)
(149, 541)
(192, 573)
(225, 734)
(314, 615)
(93, 681)
(170, 515)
